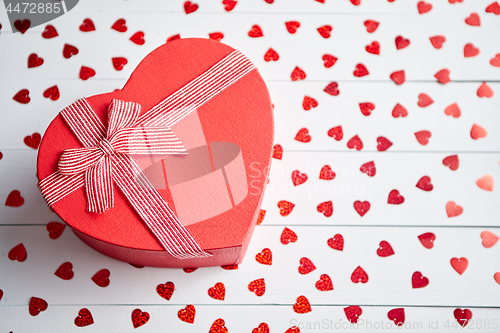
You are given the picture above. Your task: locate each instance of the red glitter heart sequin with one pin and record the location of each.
(470, 50)
(262, 214)
(218, 326)
(165, 290)
(86, 73)
(385, 249)
(101, 278)
(368, 168)
(427, 240)
(336, 242)
(255, 32)
(138, 38)
(395, 198)
(473, 20)
(69, 51)
(87, 25)
(55, 229)
(423, 137)
(366, 108)
(120, 25)
(306, 266)
(329, 60)
(139, 318)
(359, 275)
(258, 287)
(22, 26)
(452, 209)
(298, 74)
(303, 135)
(437, 41)
(485, 91)
(352, 313)
(292, 26)
(361, 207)
(33, 140)
(34, 61)
(52, 93)
(371, 25)
(424, 184)
(37, 305)
(493, 8)
(398, 77)
(401, 42)
(452, 162)
(332, 89)
(84, 318)
(265, 257)
(65, 271)
(216, 36)
(324, 283)
(443, 76)
(14, 199)
(326, 208)
(463, 317)
(229, 5)
(418, 280)
(355, 143)
(22, 96)
(262, 328)
(190, 7)
(278, 152)
(360, 71)
(383, 143)
(309, 103)
(187, 314)
(119, 62)
(302, 305)
(397, 316)
(399, 111)
(336, 133)
(218, 291)
(288, 236)
(49, 32)
(285, 207)
(423, 7)
(18, 253)
(373, 48)
(325, 31)
(271, 55)
(326, 173)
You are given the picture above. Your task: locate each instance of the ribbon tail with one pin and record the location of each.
(154, 210)
(99, 186)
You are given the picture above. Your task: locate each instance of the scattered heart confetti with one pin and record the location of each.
(355, 143)
(218, 37)
(401, 42)
(485, 91)
(324, 283)
(385, 249)
(373, 48)
(255, 32)
(165, 290)
(139, 318)
(120, 25)
(470, 50)
(174, 37)
(459, 264)
(84, 318)
(49, 32)
(423, 7)
(14, 199)
(218, 291)
(18, 253)
(371, 25)
(52, 93)
(336, 242)
(398, 77)
(34, 61)
(336, 133)
(265, 257)
(278, 152)
(187, 314)
(326, 208)
(37, 305)
(424, 184)
(87, 25)
(138, 38)
(437, 41)
(325, 31)
(22, 96)
(496, 277)
(218, 326)
(1, 294)
(119, 62)
(298, 178)
(495, 61)
(33, 140)
(229, 5)
(489, 239)
(361, 207)
(229, 267)
(462, 316)
(69, 51)
(288, 236)
(22, 26)
(326, 173)
(309, 103)
(329, 60)
(427, 240)
(292, 26)
(452, 209)
(399, 111)
(271, 55)
(473, 20)
(298, 74)
(452, 162)
(359, 275)
(352, 313)
(101, 278)
(262, 214)
(86, 73)
(395, 198)
(55, 229)
(190, 7)
(285, 207)
(302, 305)
(258, 287)
(397, 316)
(65, 271)
(383, 143)
(492, 8)
(443, 76)
(423, 137)
(306, 266)
(477, 132)
(424, 100)
(360, 71)
(366, 108)
(262, 328)
(368, 168)
(485, 183)
(418, 280)
(453, 110)
(332, 89)
(303, 135)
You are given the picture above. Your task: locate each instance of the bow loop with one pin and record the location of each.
(75, 161)
(122, 114)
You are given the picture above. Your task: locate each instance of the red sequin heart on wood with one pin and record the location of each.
(329, 60)
(427, 240)
(262, 214)
(437, 41)
(278, 152)
(424, 184)
(332, 89)
(37, 305)
(477, 132)
(229, 5)
(398, 77)
(395, 198)
(336, 133)
(218, 326)
(473, 20)
(139, 318)
(424, 100)
(489, 239)
(285, 207)
(14, 199)
(326, 208)
(262, 328)
(138, 38)
(120, 25)
(418, 280)
(22, 26)
(55, 229)
(298, 74)
(258, 287)
(325, 31)
(452, 162)
(443, 76)
(22, 96)
(101, 278)
(292, 26)
(385, 249)
(495, 61)
(218, 291)
(423, 137)
(401, 42)
(470, 50)
(216, 36)
(485, 91)
(359, 275)
(368, 168)
(352, 313)
(87, 25)
(271, 55)
(303, 135)
(366, 108)
(452, 209)
(265, 257)
(399, 111)
(65, 271)
(383, 143)
(34, 61)
(324, 283)
(459, 264)
(187, 314)
(69, 51)
(33, 140)
(397, 316)
(463, 317)
(453, 110)
(49, 32)
(288, 236)
(360, 71)
(309, 103)
(373, 48)
(423, 7)
(165, 290)
(18, 253)
(190, 7)
(84, 318)
(255, 32)
(355, 143)
(302, 305)
(119, 62)
(371, 25)
(493, 8)
(306, 266)
(336, 242)
(52, 93)
(326, 173)
(86, 73)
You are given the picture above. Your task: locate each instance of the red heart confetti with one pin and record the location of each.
(52, 93)
(329, 60)
(49, 32)
(65, 271)
(366, 108)
(34, 61)
(325, 31)
(397, 316)
(352, 313)
(37, 305)
(371, 25)
(84, 318)
(470, 50)
(22, 96)
(360, 71)
(119, 62)
(443, 76)
(292, 26)
(424, 184)
(427, 239)
(229, 5)
(356, 2)
(478, 132)
(336, 242)
(399, 111)
(453, 110)
(424, 100)
(336, 133)
(452, 209)
(69, 51)
(437, 41)
(489, 239)
(187, 314)
(361, 207)
(139, 318)
(86, 73)
(324, 283)
(190, 7)
(485, 91)
(373, 48)
(303, 135)
(419, 281)
(302, 305)
(326, 173)
(401, 42)
(423, 137)
(258, 287)
(255, 32)
(87, 25)
(285, 207)
(495, 61)
(217, 36)
(398, 77)
(395, 198)
(309, 103)
(473, 20)
(55, 229)
(22, 26)
(101, 278)
(385, 249)
(120, 25)
(423, 7)
(262, 328)
(359, 275)
(271, 55)
(218, 326)
(355, 143)
(306, 266)
(459, 264)
(18, 253)
(165, 290)
(33, 140)
(138, 38)
(278, 152)
(463, 317)
(1, 294)
(218, 291)
(173, 37)
(288, 236)
(326, 208)
(492, 8)
(452, 162)
(332, 89)
(265, 257)
(298, 74)
(262, 214)
(368, 168)
(383, 143)
(485, 183)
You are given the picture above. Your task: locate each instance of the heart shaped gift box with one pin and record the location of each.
(170, 170)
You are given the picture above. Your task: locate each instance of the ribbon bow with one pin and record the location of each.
(97, 162)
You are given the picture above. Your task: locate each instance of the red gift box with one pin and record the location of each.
(170, 170)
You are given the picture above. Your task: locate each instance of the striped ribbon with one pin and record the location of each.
(104, 158)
